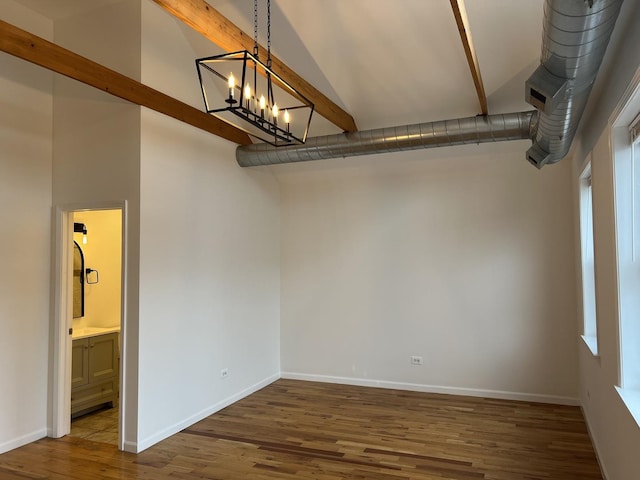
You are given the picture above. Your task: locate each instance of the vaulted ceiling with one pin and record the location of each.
(386, 62)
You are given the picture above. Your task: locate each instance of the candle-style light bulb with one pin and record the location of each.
(274, 112)
(232, 84)
(263, 105)
(247, 94)
(287, 119)
(84, 238)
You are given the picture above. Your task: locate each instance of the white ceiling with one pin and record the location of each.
(391, 62)
(388, 62)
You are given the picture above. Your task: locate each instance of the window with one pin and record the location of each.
(627, 165)
(626, 143)
(589, 333)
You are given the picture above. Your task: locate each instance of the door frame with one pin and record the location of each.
(62, 317)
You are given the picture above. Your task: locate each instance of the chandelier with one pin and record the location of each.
(243, 91)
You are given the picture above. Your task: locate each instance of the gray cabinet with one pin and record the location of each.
(94, 372)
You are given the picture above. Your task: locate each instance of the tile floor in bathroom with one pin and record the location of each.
(99, 426)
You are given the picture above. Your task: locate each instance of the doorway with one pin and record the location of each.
(89, 322)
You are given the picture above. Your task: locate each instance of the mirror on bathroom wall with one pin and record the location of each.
(78, 281)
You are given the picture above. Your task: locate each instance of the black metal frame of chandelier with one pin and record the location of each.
(259, 122)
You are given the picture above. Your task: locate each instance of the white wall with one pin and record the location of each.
(25, 213)
(209, 265)
(97, 149)
(463, 256)
(103, 253)
(615, 433)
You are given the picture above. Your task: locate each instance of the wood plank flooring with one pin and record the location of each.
(304, 430)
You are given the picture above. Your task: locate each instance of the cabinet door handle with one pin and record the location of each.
(86, 347)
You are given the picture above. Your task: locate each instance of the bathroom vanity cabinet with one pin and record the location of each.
(94, 371)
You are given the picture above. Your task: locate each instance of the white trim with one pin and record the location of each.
(61, 302)
(122, 404)
(187, 422)
(130, 447)
(416, 387)
(23, 440)
(634, 129)
(631, 400)
(617, 119)
(61, 381)
(587, 257)
(591, 343)
(618, 147)
(622, 151)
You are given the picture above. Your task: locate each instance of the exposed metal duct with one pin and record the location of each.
(480, 129)
(575, 36)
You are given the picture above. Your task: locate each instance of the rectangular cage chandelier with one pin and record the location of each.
(243, 91)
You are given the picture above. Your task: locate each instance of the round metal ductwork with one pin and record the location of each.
(575, 37)
(480, 129)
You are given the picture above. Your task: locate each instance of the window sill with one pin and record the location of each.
(631, 399)
(592, 344)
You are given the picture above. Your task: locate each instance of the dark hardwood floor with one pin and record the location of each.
(304, 430)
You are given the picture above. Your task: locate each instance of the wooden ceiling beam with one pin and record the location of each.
(210, 23)
(39, 51)
(460, 13)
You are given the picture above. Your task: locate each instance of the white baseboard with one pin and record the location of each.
(131, 447)
(23, 440)
(175, 428)
(603, 468)
(137, 447)
(415, 387)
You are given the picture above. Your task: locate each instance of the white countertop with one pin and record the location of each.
(92, 332)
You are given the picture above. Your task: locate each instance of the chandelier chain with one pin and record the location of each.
(255, 27)
(269, 33)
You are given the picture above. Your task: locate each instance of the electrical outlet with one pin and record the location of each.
(224, 373)
(416, 360)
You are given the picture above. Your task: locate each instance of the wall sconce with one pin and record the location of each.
(81, 228)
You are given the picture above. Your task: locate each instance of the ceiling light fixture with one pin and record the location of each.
(258, 100)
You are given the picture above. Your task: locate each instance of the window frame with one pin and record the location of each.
(624, 127)
(587, 260)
